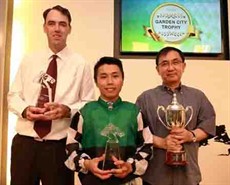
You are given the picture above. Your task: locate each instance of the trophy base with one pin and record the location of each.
(176, 158)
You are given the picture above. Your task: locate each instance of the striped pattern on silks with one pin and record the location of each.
(76, 157)
(140, 160)
(144, 152)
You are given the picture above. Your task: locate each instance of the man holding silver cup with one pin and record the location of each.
(179, 117)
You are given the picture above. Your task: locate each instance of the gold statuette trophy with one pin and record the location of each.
(112, 145)
(175, 117)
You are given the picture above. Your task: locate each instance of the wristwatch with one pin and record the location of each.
(193, 136)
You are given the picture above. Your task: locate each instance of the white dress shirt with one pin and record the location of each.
(74, 88)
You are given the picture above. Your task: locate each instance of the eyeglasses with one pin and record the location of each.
(166, 64)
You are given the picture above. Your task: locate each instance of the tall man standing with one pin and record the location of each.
(50, 86)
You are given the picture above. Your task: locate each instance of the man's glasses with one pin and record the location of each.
(166, 64)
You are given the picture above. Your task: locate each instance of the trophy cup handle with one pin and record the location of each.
(160, 107)
(190, 118)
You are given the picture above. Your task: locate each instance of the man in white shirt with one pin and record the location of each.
(34, 157)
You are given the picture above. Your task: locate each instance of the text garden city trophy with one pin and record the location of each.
(112, 145)
(175, 117)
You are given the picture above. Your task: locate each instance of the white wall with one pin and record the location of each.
(92, 36)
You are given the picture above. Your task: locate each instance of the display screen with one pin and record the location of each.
(193, 26)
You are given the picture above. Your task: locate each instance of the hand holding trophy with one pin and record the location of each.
(175, 117)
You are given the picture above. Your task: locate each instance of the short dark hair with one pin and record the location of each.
(165, 50)
(109, 61)
(59, 8)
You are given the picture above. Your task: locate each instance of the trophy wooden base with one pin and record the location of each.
(176, 158)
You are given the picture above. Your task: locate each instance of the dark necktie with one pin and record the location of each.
(46, 95)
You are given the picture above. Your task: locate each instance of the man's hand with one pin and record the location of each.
(33, 113)
(123, 168)
(92, 166)
(51, 111)
(56, 111)
(182, 135)
(172, 144)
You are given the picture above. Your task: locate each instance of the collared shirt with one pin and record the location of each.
(74, 88)
(203, 117)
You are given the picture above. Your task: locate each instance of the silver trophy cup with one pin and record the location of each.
(175, 117)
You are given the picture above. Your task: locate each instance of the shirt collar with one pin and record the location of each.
(168, 89)
(63, 54)
(109, 105)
